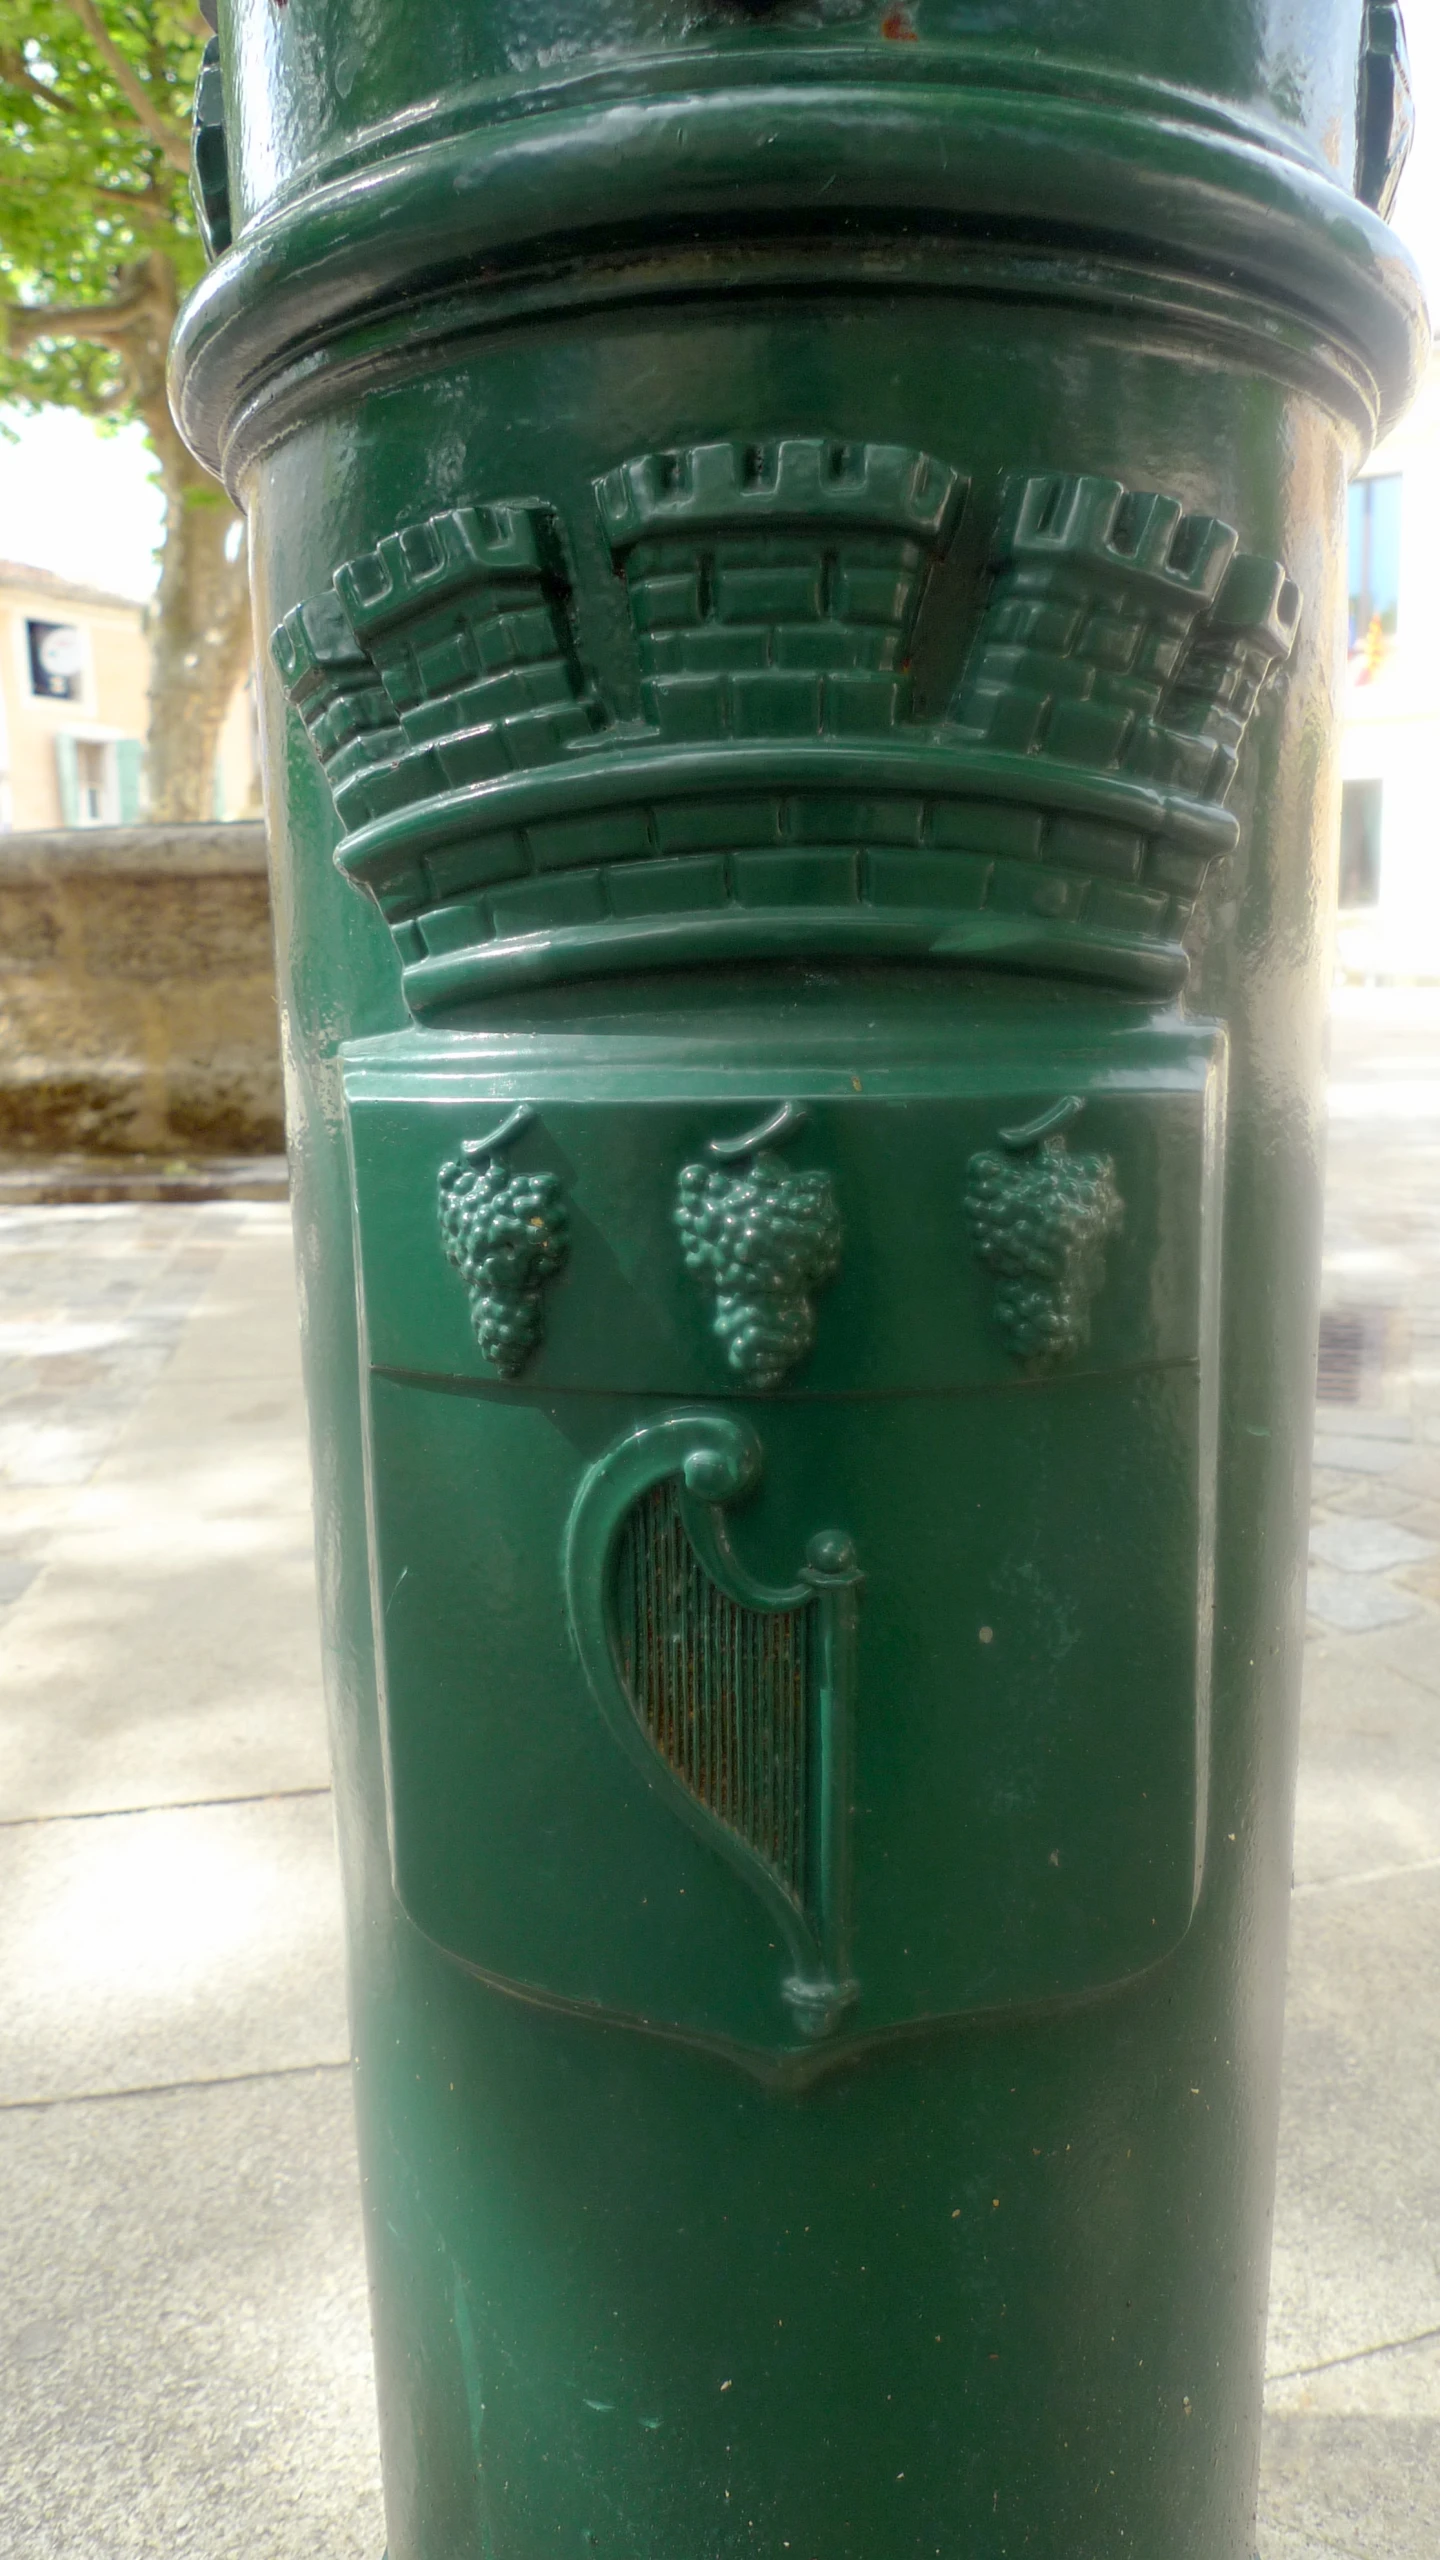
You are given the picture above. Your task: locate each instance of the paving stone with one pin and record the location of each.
(1419, 1471)
(1355, 1456)
(143, 1668)
(1363, 1544)
(231, 1445)
(1369, 1780)
(184, 2348)
(147, 1948)
(30, 1512)
(16, 1575)
(1357, 2213)
(1412, 1650)
(170, 1652)
(1350, 2488)
(1390, 2382)
(1351, 2467)
(113, 1288)
(1377, 1497)
(1356, 1601)
(247, 1325)
(38, 1449)
(1364, 1422)
(1424, 1580)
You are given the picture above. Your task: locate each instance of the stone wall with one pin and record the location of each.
(137, 993)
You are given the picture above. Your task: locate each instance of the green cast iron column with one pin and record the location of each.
(802, 545)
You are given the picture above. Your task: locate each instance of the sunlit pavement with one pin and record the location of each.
(186, 2362)
(182, 2306)
(1352, 2446)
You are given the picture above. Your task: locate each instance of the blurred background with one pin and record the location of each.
(184, 2350)
(138, 1039)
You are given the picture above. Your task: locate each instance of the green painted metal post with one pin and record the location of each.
(802, 545)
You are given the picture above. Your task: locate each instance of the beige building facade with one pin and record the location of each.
(74, 686)
(1390, 757)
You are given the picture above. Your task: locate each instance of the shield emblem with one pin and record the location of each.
(781, 1676)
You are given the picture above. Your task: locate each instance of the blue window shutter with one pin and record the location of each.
(129, 776)
(65, 766)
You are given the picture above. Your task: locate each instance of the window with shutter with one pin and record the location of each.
(129, 779)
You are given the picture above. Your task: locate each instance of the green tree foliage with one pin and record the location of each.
(98, 244)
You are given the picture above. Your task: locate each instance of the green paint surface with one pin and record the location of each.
(977, 2264)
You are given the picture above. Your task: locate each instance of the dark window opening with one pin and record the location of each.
(57, 660)
(1360, 806)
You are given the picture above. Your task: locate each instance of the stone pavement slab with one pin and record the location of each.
(1356, 1603)
(1369, 1783)
(1389, 2382)
(1351, 2460)
(184, 2346)
(1351, 2485)
(1357, 2247)
(139, 1949)
(1355, 1544)
(1347, 1453)
(163, 1647)
(122, 1688)
(1369, 1495)
(184, 2349)
(1412, 1651)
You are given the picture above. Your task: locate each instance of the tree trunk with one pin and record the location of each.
(199, 624)
(199, 633)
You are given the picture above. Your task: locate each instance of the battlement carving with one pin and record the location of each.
(773, 588)
(1122, 635)
(781, 790)
(452, 639)
(730, 488)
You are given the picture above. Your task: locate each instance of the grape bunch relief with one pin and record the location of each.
(1040, 1219)
(760, 1240)
(506, 1234)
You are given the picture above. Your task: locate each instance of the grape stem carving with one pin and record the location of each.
(1040, 1219)
(506, 1234)
(760, 1240)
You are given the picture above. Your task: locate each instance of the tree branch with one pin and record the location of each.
(15, 73)
(147, 207)
(147, 114)
(141, 300)
(102, 322)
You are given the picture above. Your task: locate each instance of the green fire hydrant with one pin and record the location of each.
(802, 545)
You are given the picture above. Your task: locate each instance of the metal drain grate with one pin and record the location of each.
(1354, 1349)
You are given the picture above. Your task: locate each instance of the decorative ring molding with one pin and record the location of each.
(570, 190)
